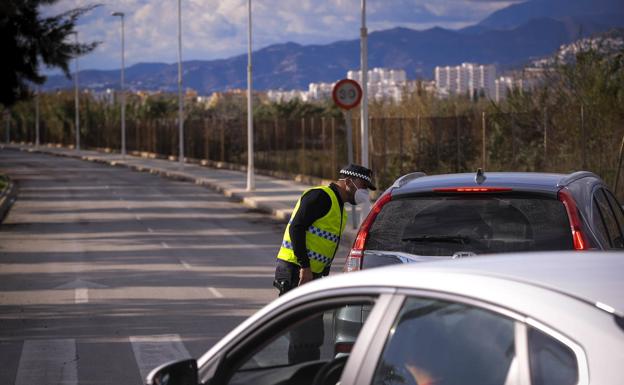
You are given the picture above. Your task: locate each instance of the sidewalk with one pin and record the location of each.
(273, 196)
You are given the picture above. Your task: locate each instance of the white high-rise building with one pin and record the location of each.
(465, 79)
(319, 91)
(524, 81)
(383, 83)
(504, 85)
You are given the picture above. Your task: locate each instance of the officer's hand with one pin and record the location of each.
(305, 275)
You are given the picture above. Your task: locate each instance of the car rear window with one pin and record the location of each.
(463, 225)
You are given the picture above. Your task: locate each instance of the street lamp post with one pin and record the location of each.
(251, 182)
(180, 99)
(364, 68)
(37, 116)
(121, 15)
(76, 97)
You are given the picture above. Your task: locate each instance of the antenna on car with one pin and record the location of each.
(480, 178)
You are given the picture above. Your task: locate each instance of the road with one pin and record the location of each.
(107, 272)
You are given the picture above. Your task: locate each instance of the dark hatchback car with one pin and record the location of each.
(458, 215)
(423, 218)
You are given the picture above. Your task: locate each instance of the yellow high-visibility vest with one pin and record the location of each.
(322, 237)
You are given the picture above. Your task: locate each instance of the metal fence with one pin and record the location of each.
(316, 146)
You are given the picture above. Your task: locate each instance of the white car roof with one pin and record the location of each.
(593, 277)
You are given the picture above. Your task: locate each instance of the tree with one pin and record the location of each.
(29, 40)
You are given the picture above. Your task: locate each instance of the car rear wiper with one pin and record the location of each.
(440, 238)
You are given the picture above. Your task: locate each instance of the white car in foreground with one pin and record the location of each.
(539, 318)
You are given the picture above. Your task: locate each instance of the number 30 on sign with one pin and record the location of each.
(347, 94)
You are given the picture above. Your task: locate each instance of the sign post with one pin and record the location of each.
(347, 95)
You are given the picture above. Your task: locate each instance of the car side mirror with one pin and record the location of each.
(174, 373)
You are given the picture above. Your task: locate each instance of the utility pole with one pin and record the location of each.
(251, 181)
(180, 98)
(121, 15)
(76, 97)
(37, 117)
(364, 68)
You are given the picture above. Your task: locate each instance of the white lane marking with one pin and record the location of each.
(150, 230)
(48, 361)
(81, 295)
(215, 292)
(151, 351)
(186, 265)
(138, 218)
(166, 246)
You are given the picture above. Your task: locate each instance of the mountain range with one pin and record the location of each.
(509, 38)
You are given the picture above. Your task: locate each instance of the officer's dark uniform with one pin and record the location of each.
(311, 239)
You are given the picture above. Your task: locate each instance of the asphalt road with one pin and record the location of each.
(106, 272)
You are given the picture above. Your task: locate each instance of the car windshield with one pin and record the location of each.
(463, 225)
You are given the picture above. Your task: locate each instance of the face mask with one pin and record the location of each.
(360, 196)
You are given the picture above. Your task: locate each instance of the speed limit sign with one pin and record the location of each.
(347, 94)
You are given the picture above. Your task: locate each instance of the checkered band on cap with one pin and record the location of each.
(356, 174)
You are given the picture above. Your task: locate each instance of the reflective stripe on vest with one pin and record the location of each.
(322, 233)
(311, 254)
(322, 237)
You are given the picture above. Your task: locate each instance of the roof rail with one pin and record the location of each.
(566, 180)
(406, 178)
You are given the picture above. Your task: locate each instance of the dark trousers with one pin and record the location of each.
(306, 337)
(287, 276)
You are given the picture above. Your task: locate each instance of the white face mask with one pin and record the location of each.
(361, 195)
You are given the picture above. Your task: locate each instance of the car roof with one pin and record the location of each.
(547, 183)
(592, 277)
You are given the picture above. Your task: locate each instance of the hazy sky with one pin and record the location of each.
(213, 29)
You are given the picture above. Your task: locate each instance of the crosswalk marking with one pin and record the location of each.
(52, 362)
(151, 351)
(215, 292)
(81, 295)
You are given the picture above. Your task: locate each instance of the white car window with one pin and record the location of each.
(445, 343)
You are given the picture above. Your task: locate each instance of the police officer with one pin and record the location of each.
(316, 225)
(310, 243)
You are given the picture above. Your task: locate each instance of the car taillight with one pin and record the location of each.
(354, 259)
(471, 189)
(578, 237)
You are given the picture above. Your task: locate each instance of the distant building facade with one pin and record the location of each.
(466, 79)
(383, 84)
(522, 81)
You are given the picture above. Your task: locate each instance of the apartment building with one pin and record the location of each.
(466, 79)
(383, 83)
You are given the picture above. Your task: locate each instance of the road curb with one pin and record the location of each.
(282, 215)
(278, 214)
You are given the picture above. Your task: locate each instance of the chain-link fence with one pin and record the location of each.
(546, 141)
